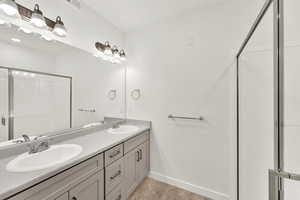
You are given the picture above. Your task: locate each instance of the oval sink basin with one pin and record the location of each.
(55, 155)
(123, 129)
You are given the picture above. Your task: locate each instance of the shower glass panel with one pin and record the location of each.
(291, 97)
(256, 111)
(41, 103)
(3, 105)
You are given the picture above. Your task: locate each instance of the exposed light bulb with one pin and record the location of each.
(9, 7)
(59, 28)
(37, 18)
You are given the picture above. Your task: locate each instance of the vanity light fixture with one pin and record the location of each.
(34, 17)
(59, 28)
(9, 7)
(122, 55)
(107, 53)
(37, 18)
(107, 49)
(115, 52)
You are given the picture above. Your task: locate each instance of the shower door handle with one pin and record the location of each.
(3, 121)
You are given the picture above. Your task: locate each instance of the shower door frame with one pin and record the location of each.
(11, 95)
(277, 175)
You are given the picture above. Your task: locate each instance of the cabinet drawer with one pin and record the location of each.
(136, 141)
(113, 154)
(116, 194)
(90, 189)
(114, 175)
(61, 183)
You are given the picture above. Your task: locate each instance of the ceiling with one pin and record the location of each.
(128, 15)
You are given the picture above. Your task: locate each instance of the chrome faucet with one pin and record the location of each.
(37, 146)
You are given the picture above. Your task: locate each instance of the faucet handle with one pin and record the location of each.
(26, 138)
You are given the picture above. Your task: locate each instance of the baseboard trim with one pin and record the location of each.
(189, 187)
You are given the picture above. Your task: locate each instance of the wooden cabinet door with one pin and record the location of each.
(90, 189)
(130, 173)
(143, 162)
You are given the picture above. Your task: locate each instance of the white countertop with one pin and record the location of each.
(92, 144)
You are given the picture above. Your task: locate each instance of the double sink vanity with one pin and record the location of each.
(105, 162)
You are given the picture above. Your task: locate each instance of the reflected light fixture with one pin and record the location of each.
(107, 53)
(122, 55)
(107, 49)
(59, 28)
(37, 18)
(115, 52)
(9, 7)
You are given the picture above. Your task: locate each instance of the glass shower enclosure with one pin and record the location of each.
(33, 103)
(268, 105)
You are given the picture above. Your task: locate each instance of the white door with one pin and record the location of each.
(3, 105)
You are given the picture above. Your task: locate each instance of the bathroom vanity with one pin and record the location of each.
(110, 167)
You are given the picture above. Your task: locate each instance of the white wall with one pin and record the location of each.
(185, 66)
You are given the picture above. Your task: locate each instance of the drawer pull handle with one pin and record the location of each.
(115, 153)
(74, 198)
(137, 156)
(141, 154)
(119, 197)
(116, 175)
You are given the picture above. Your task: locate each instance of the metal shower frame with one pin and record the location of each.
(11, 95)
(276, 175)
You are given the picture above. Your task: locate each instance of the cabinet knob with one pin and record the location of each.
(74, 198)
(137, 156)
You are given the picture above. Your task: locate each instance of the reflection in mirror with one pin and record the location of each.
(47, 86)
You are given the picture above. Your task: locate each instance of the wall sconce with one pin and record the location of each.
(35, 17)
(108, 53)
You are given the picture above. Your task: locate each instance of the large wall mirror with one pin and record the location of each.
(48, 86)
